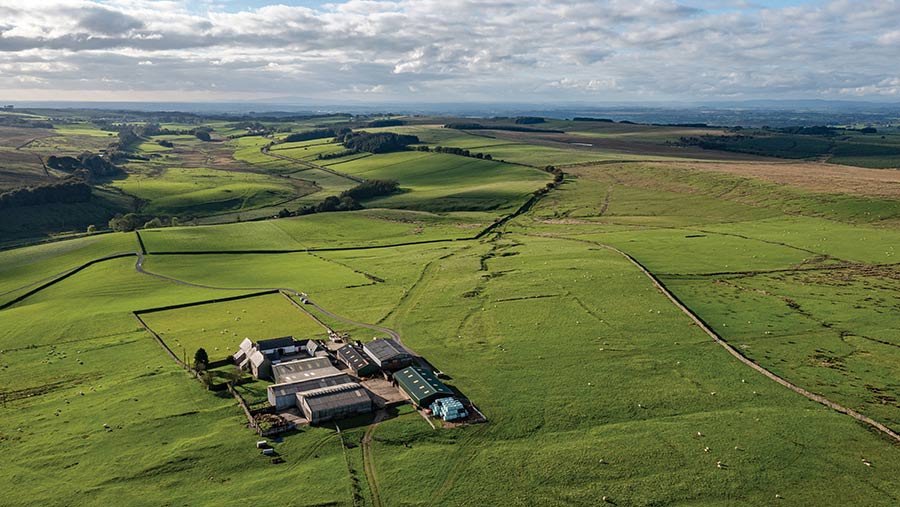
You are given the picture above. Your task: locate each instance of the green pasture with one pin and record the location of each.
(369, 227)
(220, 327)
(205, 191)
(66, 376)
(437, 182)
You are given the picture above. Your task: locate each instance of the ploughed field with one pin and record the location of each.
(593, 382)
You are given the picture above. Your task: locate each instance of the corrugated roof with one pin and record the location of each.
(420, 383)
(298, 369)
(352, 357)
(333, 397)
(246, 345)
(324, 380)
(385, 349)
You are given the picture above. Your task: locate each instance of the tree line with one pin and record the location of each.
(512, 128)
(456, 151)
(349, 199)
(378, 142)
(71, 190)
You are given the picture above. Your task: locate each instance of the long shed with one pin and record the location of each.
(421, 385)
(298, 369)
(334, 402)
(283, 396)
(388, 354)
(358, 363)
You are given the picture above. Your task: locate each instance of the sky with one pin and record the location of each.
(421, 51)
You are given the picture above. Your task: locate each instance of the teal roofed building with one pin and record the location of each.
(421, 385)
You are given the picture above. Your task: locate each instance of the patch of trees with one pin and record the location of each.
(127, 140)
(68, 191)
(329, 204)
(309, 135)
(165, 144)
(512, 128)
(869, 130)
(385, 123)
(587, 118)
(372, 188)
(202, 134)
(379, 142)
(349, 199)
(337, 154)
(94, 165)
(529, 120)
(132, 221)
(457, 151)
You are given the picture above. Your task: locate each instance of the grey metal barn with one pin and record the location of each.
(334, 402)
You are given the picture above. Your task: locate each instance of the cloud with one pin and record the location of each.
(445, 50)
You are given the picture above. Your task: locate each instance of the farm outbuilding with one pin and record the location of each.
(312, 346)
(275, 348)
(421, 385)
(358, 363)
(283, 396)
(260, 365)
(299, 369)
(334, 402)
(388, 354)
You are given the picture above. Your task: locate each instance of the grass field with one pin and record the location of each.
(437, 182)
(593, 383)
(206, 191)
(220, 327)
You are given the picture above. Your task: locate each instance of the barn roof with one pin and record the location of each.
(352, 357)
(385, 349)
(420, 384)
(324, 380)
(246, 345)
(329, 398)
(275, 343)
(299, 369)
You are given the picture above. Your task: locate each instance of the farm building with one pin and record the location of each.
(260, 365)
(282, 396)
(388, 354)
(421, 385)
(275, 348)
(333, 402)
(259, 356)
(311, 347)
(242, 356)
(358, 363)
(299, 369)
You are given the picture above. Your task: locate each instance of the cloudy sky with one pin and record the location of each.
(449, 50)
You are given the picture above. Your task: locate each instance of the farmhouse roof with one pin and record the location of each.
(257, 358)
(246, 345)
(275, 343)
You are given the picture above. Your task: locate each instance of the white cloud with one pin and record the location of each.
(452, 49)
